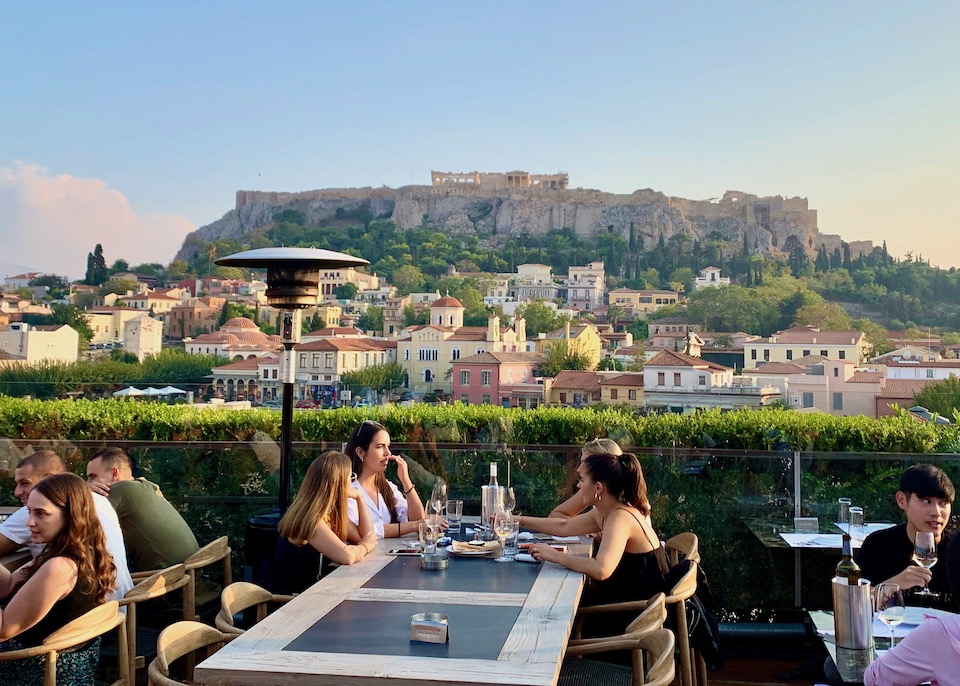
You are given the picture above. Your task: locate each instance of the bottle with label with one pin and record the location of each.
(491, 498)
(848, 571)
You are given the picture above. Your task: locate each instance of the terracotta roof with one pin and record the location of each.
(240, 323)
(867, 377)
(939, 364)
(251, 363)
(462, 335)
(560, 334)
(501, 358)
(904, 388)
(446, 301)
(778, 368)
(336, 331)
(669, 358)
(808, 360)
(628, 379)
(581, 381)
(346, 344)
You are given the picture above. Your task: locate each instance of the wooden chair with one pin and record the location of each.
(656, 648)
(157, 585)
(677, 597)
(241, 596)
(87, 627)
(211, 553)
(685, 546)
(180, 640)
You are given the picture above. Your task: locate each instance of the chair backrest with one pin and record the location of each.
(86, 627)
(238, 597)
(659, 645)
(161, 583)
(212, 552)
(685, 546)
(651, 618)
(179, 640)
(683, 588)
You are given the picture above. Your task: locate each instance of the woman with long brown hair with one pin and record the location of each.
(394, 511)
(71, 576)
(313, 531)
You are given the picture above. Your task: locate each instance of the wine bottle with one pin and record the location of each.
(847, 569)
(491, 498)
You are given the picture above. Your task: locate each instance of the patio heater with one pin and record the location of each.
(293, 283)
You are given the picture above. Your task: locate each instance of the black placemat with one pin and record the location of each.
(383, 628)
(475, 574)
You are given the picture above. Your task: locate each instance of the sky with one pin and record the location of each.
(132, 124)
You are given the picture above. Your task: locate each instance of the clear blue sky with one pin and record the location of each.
(133, 123)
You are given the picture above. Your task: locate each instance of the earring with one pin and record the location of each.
(596, 496)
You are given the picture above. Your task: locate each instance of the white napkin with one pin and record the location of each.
(525, 536)
(525, 557)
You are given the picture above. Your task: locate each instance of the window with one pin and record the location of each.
(465, 377)
(836, 372)
(676, 378)
(702, 380)
(661, 379)
(455, 354)
(485, 377)
(766, 354)
(275, 373)
(753, 353)
(465, 398)
(808, 399)
(613, 394)
(632, 394)
(806, 352)
(789, 354)
(427, 375)
(485, 399)
(328, 360)
(315, 359)
(929, 373)
(842, 354)
(824, 353)
(406, 354)
(838, 401)
(303, 359)
(563, 397)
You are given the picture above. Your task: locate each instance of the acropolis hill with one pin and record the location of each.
(495, 205)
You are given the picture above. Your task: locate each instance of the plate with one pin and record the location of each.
(914, 616)
(479, 552)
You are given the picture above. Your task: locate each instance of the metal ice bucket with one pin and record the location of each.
(853, 615)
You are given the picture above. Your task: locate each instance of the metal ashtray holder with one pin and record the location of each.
(434, 562)
(429, 627)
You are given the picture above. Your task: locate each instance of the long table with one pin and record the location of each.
(508, 624)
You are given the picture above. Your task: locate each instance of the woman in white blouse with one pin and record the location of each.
(393, 511)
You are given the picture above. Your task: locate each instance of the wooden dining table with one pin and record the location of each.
(508, 624)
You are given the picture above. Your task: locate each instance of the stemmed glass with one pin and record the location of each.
(502, 527)
(438, 498)
(888, 603)
(509, 499)
(925, 555)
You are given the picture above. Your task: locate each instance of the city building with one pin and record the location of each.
(586, 286)
(803, 341)
(710, 278)
(640, 303)
(238, 339)
(142, 336)
(508, 379)
(57, 343)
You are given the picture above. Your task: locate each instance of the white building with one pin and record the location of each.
(916, 369)
(40, 343)
(586, 286)
(710, 278)
(143, 336)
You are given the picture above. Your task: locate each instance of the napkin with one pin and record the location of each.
(525, 557)
(525, 536)
(566, 539)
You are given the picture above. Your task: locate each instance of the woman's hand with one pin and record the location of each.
(403, 470)
(369, 542)
(355, 494)
(542, 552)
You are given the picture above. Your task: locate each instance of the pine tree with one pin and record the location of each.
(97, 272)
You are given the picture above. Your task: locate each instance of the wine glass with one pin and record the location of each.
(509, 499)
(925, 555)
(888, 603)
(438, 498)
(502, 527)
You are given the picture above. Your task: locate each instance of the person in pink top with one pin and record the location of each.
(929, 653)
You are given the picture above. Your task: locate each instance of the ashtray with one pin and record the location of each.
(434, 562)
(429, 627)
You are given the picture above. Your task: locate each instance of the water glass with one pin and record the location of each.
(855, 527)
(454, 515)
(843, 516)
(428, 538)
(510, 543)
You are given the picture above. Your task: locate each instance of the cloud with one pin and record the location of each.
(52, 222)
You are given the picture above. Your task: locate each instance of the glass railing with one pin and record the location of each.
(737, 502)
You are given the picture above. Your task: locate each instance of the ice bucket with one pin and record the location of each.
(853, 615)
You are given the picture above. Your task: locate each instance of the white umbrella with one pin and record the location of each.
(172, 390)
(127, 392)
(152, 391)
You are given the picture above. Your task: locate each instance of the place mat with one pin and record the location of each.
(383, 628)
(477, 575)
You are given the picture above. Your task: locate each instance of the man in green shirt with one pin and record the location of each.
(155, 534)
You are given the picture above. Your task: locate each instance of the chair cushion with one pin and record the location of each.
(582, 672)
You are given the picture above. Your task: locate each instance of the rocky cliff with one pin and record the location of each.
(772, 224)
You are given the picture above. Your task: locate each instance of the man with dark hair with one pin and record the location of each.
(155, 533)
(926, 497)
(14, 532)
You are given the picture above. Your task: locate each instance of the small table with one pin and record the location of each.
(509, 624)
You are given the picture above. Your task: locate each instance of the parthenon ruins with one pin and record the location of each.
(494, 180)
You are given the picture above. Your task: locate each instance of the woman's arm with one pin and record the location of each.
(581, 525)
(54, 580)
(570, 507)
(328, 544)
(365, 525)
(415, 511)
(616, 533)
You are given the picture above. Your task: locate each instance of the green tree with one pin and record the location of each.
(57, 286)
(408, 279)
(73, 316)
(538, 317)
(610, 364)
(826, 316)
(564, 354)
(411, 317)
(371, 319)
(346, 291)
(119, 287)
(377, 376)
(942, 397)
(97, 271)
